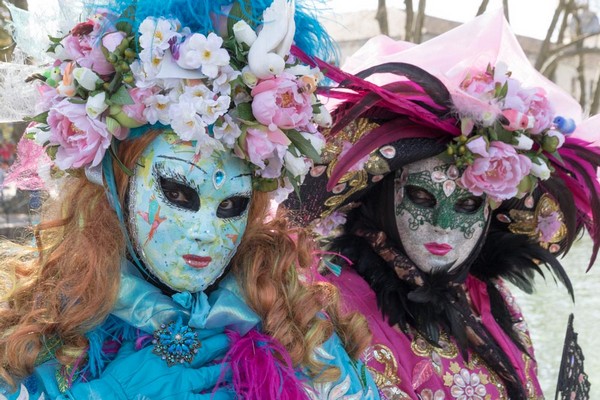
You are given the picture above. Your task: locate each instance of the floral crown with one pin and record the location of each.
(242, 92)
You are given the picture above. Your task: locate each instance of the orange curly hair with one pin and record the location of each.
(54, 293)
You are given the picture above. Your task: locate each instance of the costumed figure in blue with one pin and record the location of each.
(157, 270)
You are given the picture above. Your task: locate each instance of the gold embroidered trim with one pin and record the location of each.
(423, 348)
(387, 381)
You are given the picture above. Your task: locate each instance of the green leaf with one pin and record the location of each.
(303, 145)
(237, 13)
(244, 112)
(121, 97)
(294, 151)
(504, 135)
(294, 182)
(264, 184)
(504, 90)
(128, 15)
(41, 118)
(556, 155)
(74, 100)
(113, 153)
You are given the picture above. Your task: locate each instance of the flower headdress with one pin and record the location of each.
(221, 76)
(511, 132)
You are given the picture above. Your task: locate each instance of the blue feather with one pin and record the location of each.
(334, 268)
(202, 15)
(112, 329)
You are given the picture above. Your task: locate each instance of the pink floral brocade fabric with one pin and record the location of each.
(406, 366)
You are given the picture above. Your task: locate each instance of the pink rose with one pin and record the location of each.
(135, 111)
(112, 40)
(278, 103)
(498, 173)
(81, 141)
(478, 146)
(87, 52)
(266, 149)
(541, 110)
(479, 84)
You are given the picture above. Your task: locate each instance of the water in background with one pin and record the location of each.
(547, 312)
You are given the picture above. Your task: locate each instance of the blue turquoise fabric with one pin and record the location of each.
(140, 310)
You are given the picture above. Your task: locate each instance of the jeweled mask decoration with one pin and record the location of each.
(439, 223)
(187, 213)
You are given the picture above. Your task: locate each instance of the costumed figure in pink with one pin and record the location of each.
(158, 270)
(451, 167)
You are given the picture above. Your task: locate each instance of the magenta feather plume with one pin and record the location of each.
(578, 168)
(420, 101)
(262, 368)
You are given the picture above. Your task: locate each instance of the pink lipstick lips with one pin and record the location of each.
(438, 249)
(196, 261)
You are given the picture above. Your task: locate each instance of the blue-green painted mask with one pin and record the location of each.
(187, 213)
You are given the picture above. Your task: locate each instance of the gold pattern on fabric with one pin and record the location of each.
(61, 378)
(377, 165)
(526, 222)
(351, 133)
(387, 381)
(48, 351)
(423, 348)
(531, 394)
(352, 181)
(67, 374)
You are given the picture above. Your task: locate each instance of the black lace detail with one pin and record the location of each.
(573, 382)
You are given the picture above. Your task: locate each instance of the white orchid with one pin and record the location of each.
(228, 131)
(222, 83)
(243, 33)
(155, 35)
(205, 145)
(211, 110)
(266, 55)
(96, 105)
(197, 91)
(157, 109)
(186, 122)
(199, 51)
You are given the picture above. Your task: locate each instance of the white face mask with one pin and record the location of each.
(187, 214)
(439, 223)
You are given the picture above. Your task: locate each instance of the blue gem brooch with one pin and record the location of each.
(176, 343)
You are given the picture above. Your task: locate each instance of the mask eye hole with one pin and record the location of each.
(179, 195)
(233, 206)
(419, 196)
(468, 205)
